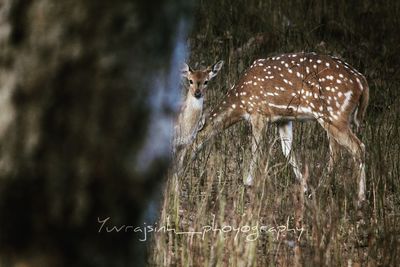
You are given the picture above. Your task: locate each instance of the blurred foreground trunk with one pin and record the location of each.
(77, 82)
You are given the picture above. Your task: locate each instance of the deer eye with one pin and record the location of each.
(191, 81)
(205, 83)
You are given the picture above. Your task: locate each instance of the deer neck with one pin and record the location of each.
(192, 111)
(189, 119)
(194, 104)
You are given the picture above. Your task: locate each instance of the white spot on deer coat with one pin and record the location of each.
(347, 98)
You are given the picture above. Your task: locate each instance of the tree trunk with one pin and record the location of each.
(76, 82)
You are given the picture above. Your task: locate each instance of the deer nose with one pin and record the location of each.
(197, 94)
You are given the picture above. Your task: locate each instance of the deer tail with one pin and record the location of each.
(362, 104)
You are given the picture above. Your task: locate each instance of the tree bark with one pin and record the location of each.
(75, 82)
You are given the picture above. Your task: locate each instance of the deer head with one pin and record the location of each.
(198, 79)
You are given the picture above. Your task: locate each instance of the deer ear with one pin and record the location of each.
(214, 69)
(186, 70)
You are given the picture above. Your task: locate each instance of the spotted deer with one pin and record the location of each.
(298, 86)
(191, 113)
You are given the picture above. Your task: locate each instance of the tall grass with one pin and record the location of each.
(365, 34)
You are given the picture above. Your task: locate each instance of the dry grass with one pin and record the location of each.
(211, 192)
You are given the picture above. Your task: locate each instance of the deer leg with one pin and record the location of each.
(334, 151)
(257, 126)
(217, 126)
(347, 139)
(286, 135)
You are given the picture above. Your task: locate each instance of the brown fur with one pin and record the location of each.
(301, 86)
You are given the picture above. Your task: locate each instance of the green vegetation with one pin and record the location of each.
(366, 35)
